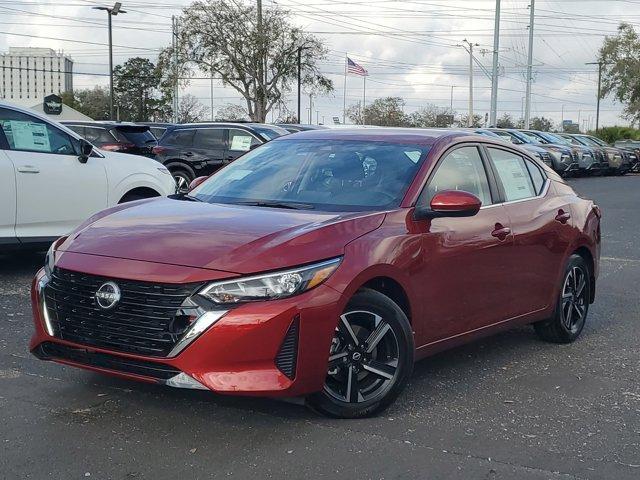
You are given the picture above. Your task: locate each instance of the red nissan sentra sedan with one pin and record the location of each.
(322, 264)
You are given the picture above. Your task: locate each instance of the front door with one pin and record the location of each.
(54, 191)
(466, 283)
(240, 142)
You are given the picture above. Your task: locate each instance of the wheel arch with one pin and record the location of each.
(393, 290)
(176, 164)
(144, 192)
(584, 252)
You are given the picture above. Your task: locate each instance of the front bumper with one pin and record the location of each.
(238, 354)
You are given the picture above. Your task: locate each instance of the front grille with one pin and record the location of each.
(288, 354)
(143, 322)
(54, 351)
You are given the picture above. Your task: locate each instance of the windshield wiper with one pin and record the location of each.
(275, 204)
(184, 196)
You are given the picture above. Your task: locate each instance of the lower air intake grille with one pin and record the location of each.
(288, 353)
(53, 351)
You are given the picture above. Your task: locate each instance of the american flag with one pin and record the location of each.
(353, 67)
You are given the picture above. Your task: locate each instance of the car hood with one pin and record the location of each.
(229, 238)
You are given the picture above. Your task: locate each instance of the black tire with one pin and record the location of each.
(379, 373)
(183, 178)
(572, 305)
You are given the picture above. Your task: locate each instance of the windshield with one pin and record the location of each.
(508, 136)
(553, 139)
(320, 174)
(139, 136)
(271, 132)
(593, 141)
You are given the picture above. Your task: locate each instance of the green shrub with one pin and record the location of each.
(612, 134)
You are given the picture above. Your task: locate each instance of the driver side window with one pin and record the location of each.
(461, 169)
(30, 134)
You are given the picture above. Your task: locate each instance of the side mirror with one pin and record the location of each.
(86, 149)
(450, 203)
(196, 181)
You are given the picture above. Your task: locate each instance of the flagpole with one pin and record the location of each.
(344, 101)
(364, 97)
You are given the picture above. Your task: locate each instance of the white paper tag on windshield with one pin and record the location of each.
(241, 143)
(30, 136)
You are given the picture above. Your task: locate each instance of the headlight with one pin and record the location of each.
(270, 286)
(50, 259)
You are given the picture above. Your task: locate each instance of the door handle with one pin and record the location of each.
(28, 169)
(563, 217)
(501, 231)
(188, 154)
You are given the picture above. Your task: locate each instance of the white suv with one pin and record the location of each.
(51, 179)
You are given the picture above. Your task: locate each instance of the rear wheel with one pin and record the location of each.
(572, 305)
(370, 359)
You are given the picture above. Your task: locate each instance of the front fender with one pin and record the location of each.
(164, 185)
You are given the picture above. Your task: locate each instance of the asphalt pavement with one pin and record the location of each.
(508, 407)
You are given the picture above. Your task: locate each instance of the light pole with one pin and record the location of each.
(111, 11)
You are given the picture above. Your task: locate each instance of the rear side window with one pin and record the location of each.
(179, 138)
(462, 169)
(513, 174)
(98, 136)
(139, 136)
(209, 138)
(537, 177)
(26, 133)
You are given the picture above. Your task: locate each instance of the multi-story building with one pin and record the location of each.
(33, 73)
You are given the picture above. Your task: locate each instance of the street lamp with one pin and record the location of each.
(111, 11)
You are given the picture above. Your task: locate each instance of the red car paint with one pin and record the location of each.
(461, 278)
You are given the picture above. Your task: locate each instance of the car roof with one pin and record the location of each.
(419, 136)
(102, 123)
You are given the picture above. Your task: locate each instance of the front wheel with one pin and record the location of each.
(572, 305)
(370, 359)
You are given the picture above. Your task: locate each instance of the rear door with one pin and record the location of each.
(540, 222)
(54, 191)
(209, 147)
(466, 283)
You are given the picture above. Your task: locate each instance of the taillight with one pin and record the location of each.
(117, 147)
(158, 150)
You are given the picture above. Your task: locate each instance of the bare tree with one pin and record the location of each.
(191, 110)
(258, 60)
(231, 112)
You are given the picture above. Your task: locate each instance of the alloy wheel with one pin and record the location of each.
(182, 183)
(363, 359)
(574, 299)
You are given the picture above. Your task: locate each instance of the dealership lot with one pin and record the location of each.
(507, 407)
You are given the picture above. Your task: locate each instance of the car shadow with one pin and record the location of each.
(434, 380)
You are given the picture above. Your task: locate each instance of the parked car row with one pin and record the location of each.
(572, 154)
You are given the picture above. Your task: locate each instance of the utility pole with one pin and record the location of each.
(470, 50)
(299, 80)
(599, 91)
(111, 12)
(494, 71)
(527, 107)
(451, 106)
(310, 108)
(174, 46)
(261, 69)
(212, 115)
